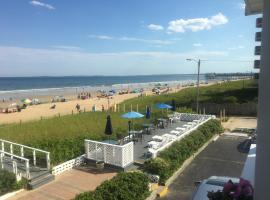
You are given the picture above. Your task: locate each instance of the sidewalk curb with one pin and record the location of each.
(184, 165)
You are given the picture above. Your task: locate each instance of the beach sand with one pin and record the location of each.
(36, 112)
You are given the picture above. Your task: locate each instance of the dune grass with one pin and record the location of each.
(230, 92)
(64, 136)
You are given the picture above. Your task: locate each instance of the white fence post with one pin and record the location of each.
(22, 152)
(14, 165)
(11, 150)
(34, 158)
(27, 169)
(48, 161)
(3, 146)
(2, 161)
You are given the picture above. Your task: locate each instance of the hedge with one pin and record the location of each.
(171, 159)
(8, 182)
(124, 186)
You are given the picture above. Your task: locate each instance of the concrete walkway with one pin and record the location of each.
(67, 185)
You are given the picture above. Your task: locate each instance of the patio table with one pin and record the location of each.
(148, 127)
(163, 122)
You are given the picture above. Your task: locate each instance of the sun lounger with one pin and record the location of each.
(180, 128)
(157, 138)
(174, 132)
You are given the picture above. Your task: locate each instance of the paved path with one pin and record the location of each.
(240, 122)
(225, 157)
(66, 186)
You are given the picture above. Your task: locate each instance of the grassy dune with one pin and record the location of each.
(231, 92)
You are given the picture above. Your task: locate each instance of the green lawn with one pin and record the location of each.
(64, 136)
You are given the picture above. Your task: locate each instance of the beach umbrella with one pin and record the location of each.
(131, 115)
(148, 113)
(108, 128)
(26, 101)
(173, 105)
(163, 106)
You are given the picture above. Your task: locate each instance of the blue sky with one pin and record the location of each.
(120, 37)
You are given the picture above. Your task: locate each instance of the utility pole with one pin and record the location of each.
(198, 81)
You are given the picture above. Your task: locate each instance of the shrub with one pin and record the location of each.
(8, 182)
(230, 99)
(124, 186)
(169, 160)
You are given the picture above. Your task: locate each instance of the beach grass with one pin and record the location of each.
(242, 91)
(63, 136)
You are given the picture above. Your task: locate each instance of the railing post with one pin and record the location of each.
(34, 158)
(14, 165)
(27, 169)
(48, 161)
(3, 146)
(22, 152)
(1, 160)
(11, 151)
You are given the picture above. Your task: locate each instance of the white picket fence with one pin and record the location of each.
(68, 165)
(116, 155)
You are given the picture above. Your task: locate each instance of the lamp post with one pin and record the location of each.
(198, 81)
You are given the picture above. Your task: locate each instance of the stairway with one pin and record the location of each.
(38, 176)
(40, 179)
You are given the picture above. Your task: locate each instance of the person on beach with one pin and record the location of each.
(78, 107)
(102, 108)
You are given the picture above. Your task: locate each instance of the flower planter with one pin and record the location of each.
(100, 165)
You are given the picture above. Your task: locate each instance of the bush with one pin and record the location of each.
(230, 99)
(124, 186)
(169, 160)
(8, 182)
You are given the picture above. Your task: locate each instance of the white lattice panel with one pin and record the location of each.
(68, 165)
(112, 154)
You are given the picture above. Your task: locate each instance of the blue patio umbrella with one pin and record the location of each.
(131, 115)
(163, 106)
(148, 113)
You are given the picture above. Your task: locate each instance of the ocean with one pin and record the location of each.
(21, 87)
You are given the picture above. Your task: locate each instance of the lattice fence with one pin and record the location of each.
(68, 165)
(190, 117)
(116, 155)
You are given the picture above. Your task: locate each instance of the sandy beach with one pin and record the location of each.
(36, 112)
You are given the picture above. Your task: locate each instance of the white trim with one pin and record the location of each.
(10, 194)
(68, 165)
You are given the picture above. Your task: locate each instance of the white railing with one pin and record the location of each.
(117, 155)
(187, 130)
(68, 165)
(14, 163)
(4, 144)
(188, 117)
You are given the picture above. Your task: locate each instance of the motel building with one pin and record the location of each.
(257, 167)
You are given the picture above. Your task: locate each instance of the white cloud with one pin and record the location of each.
(236, 47)
(68, 48)
(131, 39)
(41, 4)
(155, 27)
(197, 45)
(101, 37)
(19, 61)
(242, 6)
(196, 24)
